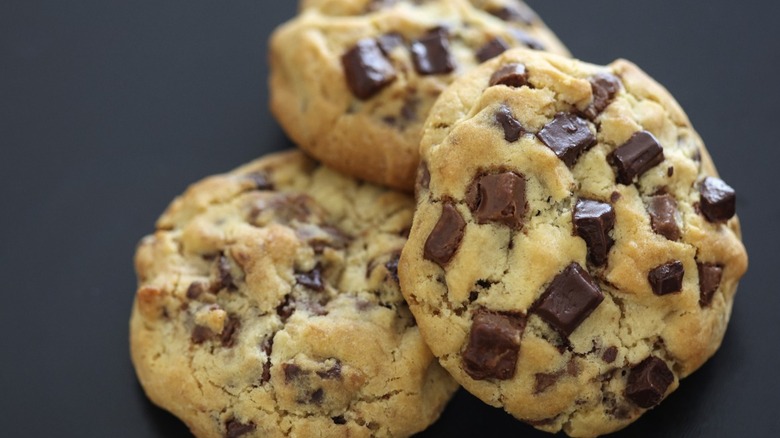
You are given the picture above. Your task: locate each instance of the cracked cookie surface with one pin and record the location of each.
(268, 305)
(574, 253)
(352, 81)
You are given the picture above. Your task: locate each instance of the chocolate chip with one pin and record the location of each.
(491, 49)
(604, 86)
(667, 278)
(515, 13)
(200, 334)
(614, 197)
(709, 280)
(367, 69)
(446, 236)
(511, 75)
(638, 155)
(512, 127)
(648, 382)
(544, 381)
(195, 290)
(333, 372)
(527, 40)
(663, 216)
(392, 266)
(228, 336)
(431, 53)
(234, 428)
(718, 200)
(390, 41)
(292, 372)
(267, 348)
(568, 136)
(610, 354)
(498, 198)
(593, 220)
(311, 279)
(493, 346)
(261, 180)
(670, 171)
(286, 308)
(224, 277)
(339, 420)
(569, 299)
(317, 396)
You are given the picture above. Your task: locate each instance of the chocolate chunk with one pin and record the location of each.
(511, 75)
(667, 278)
(718, 200)
(498, 198)
(390, 41)
(261, 180)
(638, 155)
(512, 127)
(200, 334)
(367, 69)
(593, 220)
(569, 299)
(339, 420)
(292, 372)
(267, 348)
(516, 13)
(709, 280)
(446, 236)
(224, 277)
(568, 136)
(311, 279)
(317, 396)
(527, 40)
(195, 290)
(392, 266)
(491, 49)
(648, 382)
(610, 354)
(333, 372)
(544, 381)
(286, 308)
(431, 53)
(228, 336)
(493, 346)
(235, 429)
(605, 86)
(663, 216)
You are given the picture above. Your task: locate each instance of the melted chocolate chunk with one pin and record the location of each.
(261, 180)
(709, 280)
(569, 299)
(516, 13)
(544, 381)
(663, 216)
(593, 220)
(605, 86)
(317, 396)
(648, 382)
(639, 154)
(312, 279)
(491, 49)
(390, 41)
(610, 354)
(339, 420)
(498, 198)
(431, 53)
(392, 266)
(224, 277)
(367, 69)
(235, 429)
(667, 278)
(568, 136)
(286, 308)
(511, 75)
(333, 372)
(446, 236)
(493, 346)
(195, 290)
(512, 127)
(718, 200)
(292, 372)
(527, 40)
(200, 334)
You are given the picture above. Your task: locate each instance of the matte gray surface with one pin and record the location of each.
(109, 108)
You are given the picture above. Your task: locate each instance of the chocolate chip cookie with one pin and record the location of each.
(574, 253)
(352, 80)
(268, 305)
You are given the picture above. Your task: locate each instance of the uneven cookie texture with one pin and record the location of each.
(574, 253)
(268, 305)
(352, 81)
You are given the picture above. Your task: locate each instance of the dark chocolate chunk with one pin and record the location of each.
(195, 290)
(311, 279)
(261, 181)
(200, 334)
(317, 396)
(610, 354)
(224, 277)
(593, 220)
(431, 53)
(516, 13)
(228, 336)
(333, 372)
(292, 372)
(527, 40)
(267, 348)
(392, 266)
(446, 236)
(491, 49)
(512, 127)
(663, 216)
(605, 86)
(498, 198)
(718, 200)
(709, 280)
(367, 69)
(544, 381)
(568, 136)
(667, 278)
(648, 382)
(286, 308)
(390, 41)
(235, 428)
(339, 420)
(493, 346)
(511, 75)
(638, 155)
(670, 171)
(569, 299)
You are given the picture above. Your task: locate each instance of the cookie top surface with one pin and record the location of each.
(573, 253)
(268, 305)
(352, 81)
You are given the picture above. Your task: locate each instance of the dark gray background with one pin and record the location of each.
(109, 108)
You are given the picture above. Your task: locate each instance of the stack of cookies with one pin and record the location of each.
(569, 254)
